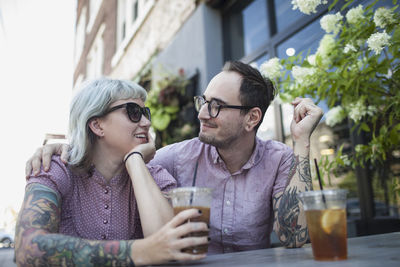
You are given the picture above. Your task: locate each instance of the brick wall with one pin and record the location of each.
(157, 31)
(107, 15)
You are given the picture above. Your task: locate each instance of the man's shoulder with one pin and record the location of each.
(185, 145)
(168, 155)
(58, 177)
(273, 146)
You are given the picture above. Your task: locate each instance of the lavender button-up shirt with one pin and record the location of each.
(93, 208)
(241, 210)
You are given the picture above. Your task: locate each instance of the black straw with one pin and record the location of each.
(319, 176)
(195, 174)
(320, 181)
(194, 182)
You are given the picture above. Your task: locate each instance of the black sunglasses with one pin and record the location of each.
(133, 110)
(213, 106)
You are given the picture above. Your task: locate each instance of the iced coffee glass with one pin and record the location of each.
(326, 221)
(193, 198)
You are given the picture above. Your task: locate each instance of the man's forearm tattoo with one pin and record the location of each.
(290, 232)
(301, 167)
(304, 172)
(38, 244)
(287, 204)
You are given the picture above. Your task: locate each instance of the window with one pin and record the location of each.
(95, 58)
(94, 6)
(247, 27)
(306, 39)
(130, 16)
(80, 35)
(267, 128)
(135, 11)
(285, 15)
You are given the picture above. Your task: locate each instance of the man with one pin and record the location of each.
(254, 182)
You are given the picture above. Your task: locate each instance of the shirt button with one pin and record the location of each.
(105, 191)
(226, 230)
(105, 221)
(106, 206)
(228, 202)
(103, 236)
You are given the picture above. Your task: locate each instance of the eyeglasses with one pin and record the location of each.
(134, 111)
(213, 106)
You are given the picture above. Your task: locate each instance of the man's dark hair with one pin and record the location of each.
(255, 90)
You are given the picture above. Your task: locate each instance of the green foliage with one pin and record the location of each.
(163, 99)
(357, 71)
(166, 100)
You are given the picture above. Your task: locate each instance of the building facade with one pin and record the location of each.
(132, 39)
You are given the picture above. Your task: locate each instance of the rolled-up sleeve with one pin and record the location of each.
(163, 178)
(57, 178)
(285, 167)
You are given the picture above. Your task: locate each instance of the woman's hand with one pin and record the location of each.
(147, 150)
(166, 244)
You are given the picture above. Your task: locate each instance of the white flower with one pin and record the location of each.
(331, 23)
(335, 115)
(326, 45)
(348, 48)
(303, 75)
(271, 69)
(307, 6)
(355, 15)
(389, 74)
(383, 17)
(311, 60)
(377, 41)
(358, 110)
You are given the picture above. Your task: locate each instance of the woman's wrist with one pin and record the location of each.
(133, 153)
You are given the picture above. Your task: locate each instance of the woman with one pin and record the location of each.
(96, 209)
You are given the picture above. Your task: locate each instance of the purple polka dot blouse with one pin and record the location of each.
(93, 208)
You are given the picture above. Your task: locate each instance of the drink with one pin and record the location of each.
(328, 233)
(326, 221)
(193, 198)
(205, 217)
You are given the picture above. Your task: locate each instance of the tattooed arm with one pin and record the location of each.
(290, 222)
(38, 244)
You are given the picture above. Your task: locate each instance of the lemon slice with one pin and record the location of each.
(330, 219)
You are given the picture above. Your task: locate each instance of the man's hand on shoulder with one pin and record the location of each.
(43, 156)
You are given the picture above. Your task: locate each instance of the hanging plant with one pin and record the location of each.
(169, 103)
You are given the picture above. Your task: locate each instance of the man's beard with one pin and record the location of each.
(211, 140)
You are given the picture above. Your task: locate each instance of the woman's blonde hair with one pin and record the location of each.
(93, 100)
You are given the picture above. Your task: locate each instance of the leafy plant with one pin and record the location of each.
(356, 70)
(167, 99)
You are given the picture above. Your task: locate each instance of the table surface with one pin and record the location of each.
(373, 250)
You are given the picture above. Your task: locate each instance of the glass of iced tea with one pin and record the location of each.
(193, 198)
(327, 224)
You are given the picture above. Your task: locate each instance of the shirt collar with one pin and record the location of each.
(99, 178)
(253, 160)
